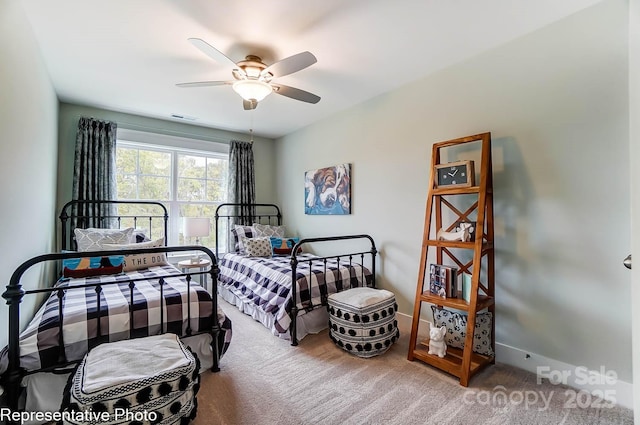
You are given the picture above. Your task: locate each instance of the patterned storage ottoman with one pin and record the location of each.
(146, 380)
(363, 321)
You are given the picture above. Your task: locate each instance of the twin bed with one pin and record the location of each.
(131, 291)
(145, 295)
(259, 282)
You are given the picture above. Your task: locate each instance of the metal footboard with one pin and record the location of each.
(348, 258)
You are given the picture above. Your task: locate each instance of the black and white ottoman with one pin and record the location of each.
(145, 380)
(363, 321)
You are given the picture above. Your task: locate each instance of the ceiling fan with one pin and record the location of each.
(253, 78)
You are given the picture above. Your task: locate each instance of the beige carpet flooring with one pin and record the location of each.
(263, 380)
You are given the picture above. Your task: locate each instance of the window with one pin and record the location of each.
(190, 182)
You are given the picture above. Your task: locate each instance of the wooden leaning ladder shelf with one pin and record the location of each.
(461, 363)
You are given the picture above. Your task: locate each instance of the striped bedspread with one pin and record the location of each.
(266, 283)
(39, 342)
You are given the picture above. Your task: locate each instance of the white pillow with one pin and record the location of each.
(266, 230)
(239, 233)
(141, 261)
(93, 239)
(258, 247)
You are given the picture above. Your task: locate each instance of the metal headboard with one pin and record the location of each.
(74, 215)
(245, 214)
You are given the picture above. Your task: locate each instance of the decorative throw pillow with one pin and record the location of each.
(257, 247)
(92, 266)
(141, 261)
(284, 246)
(93, 239)
(267, 230)
(456, 325)
(240, 232)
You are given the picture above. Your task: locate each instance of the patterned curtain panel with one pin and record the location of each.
(242, 180)
(94, 174)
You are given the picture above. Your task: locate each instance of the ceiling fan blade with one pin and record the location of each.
(214, 53)
(290, 65)
(204, 83)
(249, 104)
(295, 93)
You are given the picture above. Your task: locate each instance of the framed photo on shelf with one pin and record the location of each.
(443, 280)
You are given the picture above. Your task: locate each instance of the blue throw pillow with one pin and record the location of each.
(283, 246)
(92, 266)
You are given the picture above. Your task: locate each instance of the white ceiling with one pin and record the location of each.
(127, 55)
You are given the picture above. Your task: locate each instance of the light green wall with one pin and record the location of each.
(28, 120)
(70, 114)
(556, 103)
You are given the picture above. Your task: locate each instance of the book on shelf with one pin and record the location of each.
(466, 287)
(443, 280)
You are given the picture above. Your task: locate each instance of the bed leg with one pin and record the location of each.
(292, 327)
(14, 373)
(215, 346)
(215, 367)
(13, 379)
(216, 331)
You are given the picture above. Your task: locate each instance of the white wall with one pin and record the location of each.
(28, 120)
(555, 102)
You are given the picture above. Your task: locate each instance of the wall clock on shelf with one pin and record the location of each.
(455, 174)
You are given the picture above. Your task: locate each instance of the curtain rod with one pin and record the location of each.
(131, 126)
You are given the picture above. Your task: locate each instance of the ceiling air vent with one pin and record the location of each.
(183, 117)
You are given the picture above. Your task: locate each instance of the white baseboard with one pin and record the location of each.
(597, 383)
(602, 383)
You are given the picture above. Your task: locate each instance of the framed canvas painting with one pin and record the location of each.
(328, 190)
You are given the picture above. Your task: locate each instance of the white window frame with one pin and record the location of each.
(174, 145)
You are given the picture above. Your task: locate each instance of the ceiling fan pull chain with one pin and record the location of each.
(251, 127)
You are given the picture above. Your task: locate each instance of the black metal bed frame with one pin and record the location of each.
(69, 216)
(261, 217)
(15, 293)
(259, 213)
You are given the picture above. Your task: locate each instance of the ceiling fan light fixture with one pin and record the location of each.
(255, 90)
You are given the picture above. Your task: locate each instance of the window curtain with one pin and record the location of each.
(242, 181)
(94, 174)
